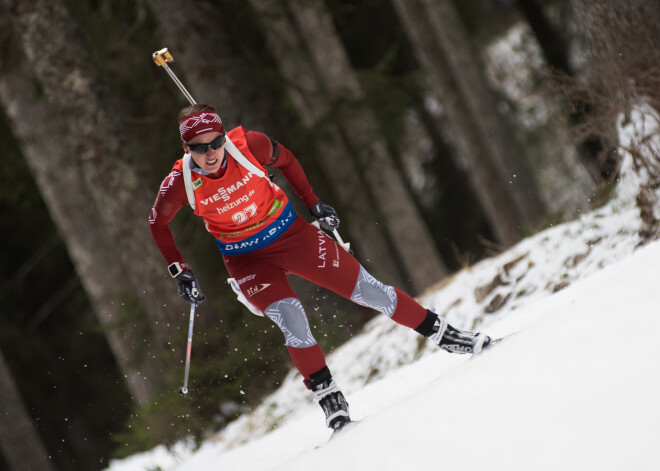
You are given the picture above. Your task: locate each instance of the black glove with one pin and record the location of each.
(325, 215)
(189, 287)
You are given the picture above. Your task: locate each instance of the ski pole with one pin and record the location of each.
(161, 58)
(346, 245)
(183, 390)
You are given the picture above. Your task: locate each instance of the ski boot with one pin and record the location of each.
(330, 398)
(450, 338)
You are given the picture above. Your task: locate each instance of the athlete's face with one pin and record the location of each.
(211, 159)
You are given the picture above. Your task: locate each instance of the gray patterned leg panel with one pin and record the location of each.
(290, 317)
(372, 293)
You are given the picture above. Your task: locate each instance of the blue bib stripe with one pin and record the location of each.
(262, 238)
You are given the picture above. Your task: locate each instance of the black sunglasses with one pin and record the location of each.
(215, 144)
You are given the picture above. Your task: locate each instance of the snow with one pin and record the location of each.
(574, 385)
(573, 390)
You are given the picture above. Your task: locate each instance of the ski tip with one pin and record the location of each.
(491, 342)
(342, 428)
(484, 342)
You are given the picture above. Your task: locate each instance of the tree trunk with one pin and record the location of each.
(621, 67)
(370, 243)
(591, 149)
(214, 65)
(106, 158)
(551, 41)
(505, 186)
(327, 95)
(20, 442)
(78, 222)
(620, 38)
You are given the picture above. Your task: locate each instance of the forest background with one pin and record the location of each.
(436, 146)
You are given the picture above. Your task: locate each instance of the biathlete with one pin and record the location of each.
(262, 239)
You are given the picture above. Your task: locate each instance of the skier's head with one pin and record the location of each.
(198, 119)
(203, 136)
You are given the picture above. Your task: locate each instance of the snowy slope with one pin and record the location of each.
(575, 387)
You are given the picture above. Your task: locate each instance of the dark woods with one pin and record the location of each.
(438, 141)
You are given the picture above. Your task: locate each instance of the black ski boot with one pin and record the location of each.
(330, 398)
(450, 338)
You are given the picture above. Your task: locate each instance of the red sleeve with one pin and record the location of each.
(261, 147)
(171, 197)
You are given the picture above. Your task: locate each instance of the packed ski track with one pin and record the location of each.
(573, 385)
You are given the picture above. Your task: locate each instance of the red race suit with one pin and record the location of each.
(241, 210)
(261, 237)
